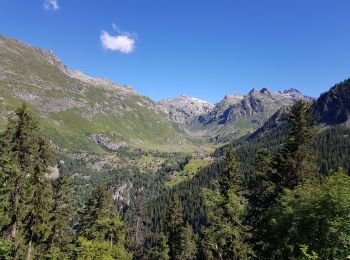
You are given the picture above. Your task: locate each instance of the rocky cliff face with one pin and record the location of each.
(184, 109)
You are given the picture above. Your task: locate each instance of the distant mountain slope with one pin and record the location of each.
(184, 109)
(237, 115)
(78, 111)
(85, 113)
(331, 145)
(333, 106)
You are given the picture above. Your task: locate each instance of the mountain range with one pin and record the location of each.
(234, 116)
(107, 132)
(80, 112)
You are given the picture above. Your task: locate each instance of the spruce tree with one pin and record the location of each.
(99, 222)
(160, 249)
(139, 228)
(28, 190)
(261, 196)
(231, 179)
(181, 239)
(18, 143)
(296, 165)
(62, 213)
(292, 166)
(92, 250)
(99, 206)
(188, 243)
(175, 224)
(226, 236)
(8, 173)
(37, 225)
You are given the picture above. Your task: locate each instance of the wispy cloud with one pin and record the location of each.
(51, 5)
(121, 41)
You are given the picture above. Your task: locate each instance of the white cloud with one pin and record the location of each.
(51, 5)
(123, 42)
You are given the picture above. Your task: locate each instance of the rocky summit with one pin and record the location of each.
(183, 109)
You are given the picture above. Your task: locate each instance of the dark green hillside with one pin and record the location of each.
(331, 144)
(333, 107)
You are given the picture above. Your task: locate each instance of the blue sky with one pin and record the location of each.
(202, 48)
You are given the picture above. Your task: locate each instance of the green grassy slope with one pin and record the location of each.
(74, 107)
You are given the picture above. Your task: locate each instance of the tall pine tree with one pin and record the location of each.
(226, 236)
(188, 243)
(292, 166)
(139, 228)
(8, 173)
(62, 213)
(175, 224)
(181, 238)
(261, 196)
(27, 189)
(160, 249)
(296, 165)
(37, 225)
(99, 222)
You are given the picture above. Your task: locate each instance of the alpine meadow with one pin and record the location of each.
(91, 169)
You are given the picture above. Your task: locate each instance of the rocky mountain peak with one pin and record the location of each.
(292, 90)
(54, 60)
(265, 91)
(231, 99)
(184, 109)
(294, 94)
(254, 90)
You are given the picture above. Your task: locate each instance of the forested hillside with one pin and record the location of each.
(284, 181)
(90, 169)
(333, 107)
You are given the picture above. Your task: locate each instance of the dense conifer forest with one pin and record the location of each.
(280, 193)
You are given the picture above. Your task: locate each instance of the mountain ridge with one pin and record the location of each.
(233, 116)
(84, 112)
(74, 106)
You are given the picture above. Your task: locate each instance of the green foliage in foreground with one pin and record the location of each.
(36, 212)
(181, 238)
(99, 223)
(90, 250)
(317, 216)
(26, 156)
(291, 166)
(226, 236)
